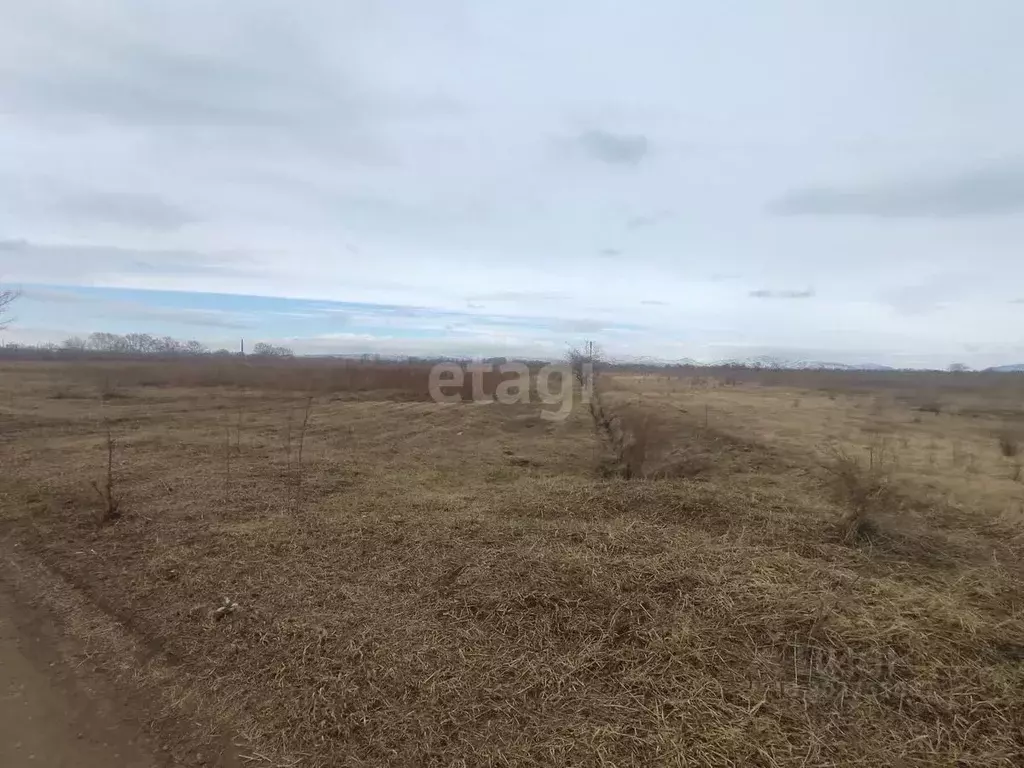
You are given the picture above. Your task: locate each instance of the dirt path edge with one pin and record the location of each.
(81, 688)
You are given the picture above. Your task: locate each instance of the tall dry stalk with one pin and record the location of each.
(227, 463)
(111, 510)
(238, 426)
(288, 441)
(298, 460)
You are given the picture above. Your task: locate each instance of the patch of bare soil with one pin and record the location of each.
(49, 714)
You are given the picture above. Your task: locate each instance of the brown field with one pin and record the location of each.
(802, 569)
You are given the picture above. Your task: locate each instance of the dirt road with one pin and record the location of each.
(47, 718)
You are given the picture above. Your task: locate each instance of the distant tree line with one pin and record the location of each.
(135, 344)
(145, 344)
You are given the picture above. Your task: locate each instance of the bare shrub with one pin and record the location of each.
(111, 510)
(864, 491)
(631, 437)
(583, 361)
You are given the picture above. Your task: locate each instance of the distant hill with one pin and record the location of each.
(1014, 368)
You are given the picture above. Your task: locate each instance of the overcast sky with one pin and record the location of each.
(840, 180)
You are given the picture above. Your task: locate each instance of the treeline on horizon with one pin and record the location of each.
(134, 344)
(148, 346)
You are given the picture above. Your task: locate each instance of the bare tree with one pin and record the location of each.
(583, 360)
(262, 349)
(7, 297)
(135, 344)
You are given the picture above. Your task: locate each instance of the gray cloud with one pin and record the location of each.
(248, 73)
(990, 190)
(933, 293)
(785, 294)
(654, 303)
(614, 149)
(203, 318)
(915, 299)
(132, 209)
(54, 296)
(265, 74)
(644, 221)
(125, 309)
(579, 326)
(423, 134)
(73, 263)
(544, 296)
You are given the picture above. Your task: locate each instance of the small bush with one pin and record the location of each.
(864, 491)
(634, 441)
(111, 510)
(628, 434)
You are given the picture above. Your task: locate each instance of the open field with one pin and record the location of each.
(803, 569)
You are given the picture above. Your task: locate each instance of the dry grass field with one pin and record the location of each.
(802, 569)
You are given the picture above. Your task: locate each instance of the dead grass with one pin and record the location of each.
(340, 378)
(426, 608)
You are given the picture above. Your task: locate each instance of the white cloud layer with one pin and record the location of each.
(843, 180)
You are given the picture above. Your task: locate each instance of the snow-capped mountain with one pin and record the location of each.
(774, 363)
